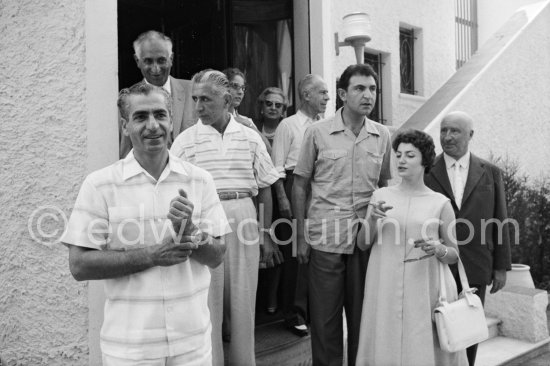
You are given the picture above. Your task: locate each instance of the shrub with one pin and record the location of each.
(528, 202)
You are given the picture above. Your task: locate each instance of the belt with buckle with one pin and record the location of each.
(233, 195)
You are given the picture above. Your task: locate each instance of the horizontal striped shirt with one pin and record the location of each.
(162, 311)
(237, 159)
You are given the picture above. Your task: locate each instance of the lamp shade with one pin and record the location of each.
(357, 28)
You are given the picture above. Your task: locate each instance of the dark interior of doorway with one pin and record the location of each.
(208, 34)
(197, 30)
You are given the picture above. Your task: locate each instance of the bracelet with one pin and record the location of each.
(446, 252)
(269, 231)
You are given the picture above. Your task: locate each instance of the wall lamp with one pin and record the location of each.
(356, 33)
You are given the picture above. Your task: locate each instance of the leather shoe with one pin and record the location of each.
(297, 326)
(300, 330)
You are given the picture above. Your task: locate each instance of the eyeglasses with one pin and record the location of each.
(237, 86)
(269, 103)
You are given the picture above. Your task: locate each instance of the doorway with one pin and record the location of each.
(253, 35)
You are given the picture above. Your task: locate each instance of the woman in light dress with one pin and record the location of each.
(410, 229)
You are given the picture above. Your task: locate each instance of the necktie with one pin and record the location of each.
(459, 184)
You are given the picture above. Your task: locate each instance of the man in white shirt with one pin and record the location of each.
(241, 167)
(313, 93)
(147, 226)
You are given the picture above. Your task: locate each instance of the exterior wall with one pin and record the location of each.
(57, 100)
(43, 310)
(512, 118)
(492, 14)
(436, 38)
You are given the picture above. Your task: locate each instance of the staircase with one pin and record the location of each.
(503, 351)
(275, 345)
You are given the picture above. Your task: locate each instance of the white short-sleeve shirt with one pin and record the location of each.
(162, 311)
(238, 159)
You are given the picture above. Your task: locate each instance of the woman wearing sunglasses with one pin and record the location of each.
(411, 229)
(272, 102)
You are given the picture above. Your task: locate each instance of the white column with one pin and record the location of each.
(101, 125)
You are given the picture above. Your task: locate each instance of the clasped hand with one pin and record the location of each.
(180, 214)
(174, 250)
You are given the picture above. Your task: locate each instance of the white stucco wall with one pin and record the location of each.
(434, 18)
(492, 14)
(43, 310)
(58, 108)
(508, 102)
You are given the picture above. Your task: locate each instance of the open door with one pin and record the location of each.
(197, 29)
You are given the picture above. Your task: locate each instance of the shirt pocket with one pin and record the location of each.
(373, 167)
(332, 163)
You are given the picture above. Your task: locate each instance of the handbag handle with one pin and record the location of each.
(463, 281)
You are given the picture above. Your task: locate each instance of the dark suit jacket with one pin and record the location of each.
(183, 115)
(481, 249)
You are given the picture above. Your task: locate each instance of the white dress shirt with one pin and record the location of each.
(464, 166)
(288, 141)
(166, 85)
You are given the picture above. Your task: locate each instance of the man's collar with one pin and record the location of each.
(338, 124)
(304, 117)
(166, 86)
(131, 167)
(232, 126)
(464, 161)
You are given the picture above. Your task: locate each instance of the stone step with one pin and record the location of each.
(492, 324)
(276, 345)
(500, 351)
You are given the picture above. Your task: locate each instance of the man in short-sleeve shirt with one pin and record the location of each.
(241, 167)
(344, 158)
(146, 225)
(313, 93)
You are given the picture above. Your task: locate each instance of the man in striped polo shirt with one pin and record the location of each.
(241, 167)
(147, 225)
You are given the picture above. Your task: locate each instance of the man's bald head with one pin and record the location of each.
(457, 129)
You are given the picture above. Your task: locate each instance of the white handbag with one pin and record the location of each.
(460, 324)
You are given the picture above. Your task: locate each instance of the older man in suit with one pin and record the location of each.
(153, 55)
(476, 190)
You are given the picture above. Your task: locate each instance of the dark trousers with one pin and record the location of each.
(471, 351)
(294, 279)
(336, 282)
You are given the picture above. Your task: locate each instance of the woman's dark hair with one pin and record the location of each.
(231, 72)
(422, 141)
